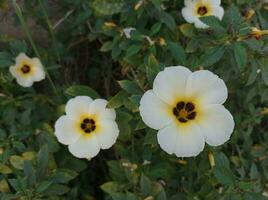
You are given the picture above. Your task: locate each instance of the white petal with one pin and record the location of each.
(154, 112)
(207, 87)
(167, 139)
(12, 70)
(65, 130)
(85, 147)
(78, 106)
(170, 84)
(25, 81)
(217, 124)
(189, 3)
(214, 2)
(218, 12)
(98, 107)
(189, 15)
(184, 140)
(107, 134)
(199, 24)
(22, 57)
(39, 73)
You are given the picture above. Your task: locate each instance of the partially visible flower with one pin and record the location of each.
(27, 70)
(186, 107)
(127, 32)
(194, 9)
(249, 14)
(87, 127)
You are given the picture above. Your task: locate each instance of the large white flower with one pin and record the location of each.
(194, 9)
(186, 107)
(27, 70)
(87, 127)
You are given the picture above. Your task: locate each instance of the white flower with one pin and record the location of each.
(186, 107)
(127, 32)
(27, 70)
(87, 127)
(199, 8)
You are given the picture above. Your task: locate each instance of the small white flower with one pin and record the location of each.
(27, 70)
(127, 32)
(186, 107)
(87, 127)
(194, 9)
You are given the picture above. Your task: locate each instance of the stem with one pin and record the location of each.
(29, 36)
(50, 28)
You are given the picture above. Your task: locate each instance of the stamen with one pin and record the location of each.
(180, 105)
(25, 69)
(189, 107)
(191, 115)
(175, 112)
(181, 119)
(202, 10)
(86, 120)
(88, 125)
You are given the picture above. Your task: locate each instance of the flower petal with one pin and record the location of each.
(199, 24)
(169, 85)
(78, 106)
(65, 130)
(214, 2)
(22, 57)
(154, 112)
(188, 15)
(98, 107)
(108, 133)
(85, 147)
(184, 140)
(39, 73)
(217, 124)
(25, 81)
(207, 87)
(218, 12)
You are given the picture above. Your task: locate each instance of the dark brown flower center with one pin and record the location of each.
(202, 10)
(25, 69)
(88, 125)
(184, 111)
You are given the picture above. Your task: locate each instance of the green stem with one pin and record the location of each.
(29, 36)
(50, 29)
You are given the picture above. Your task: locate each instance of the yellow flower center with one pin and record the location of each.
(202, 10)
(88, 125)
(184, 111)
(25, 69)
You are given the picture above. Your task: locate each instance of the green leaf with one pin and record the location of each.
(263, 63)
(82, 90)
(18, 47)
(133, 49)
(118, 100)
(110, 187)
(240, 54)
(214, 23)
(42, 161)
(5, 60)
(130, 86)
(56, 189)
(212, 56)
(108, 7)
(41, 187)
(107, 46)
(177, 52)
(63, 176)
(166, 18)
(146, 185)
(233, 17)
(17, 161)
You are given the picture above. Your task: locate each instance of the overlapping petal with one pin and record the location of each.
(217, 124)
(170, 84)
(154, 112)
(78, 106)
(98, 107)
(107, 134)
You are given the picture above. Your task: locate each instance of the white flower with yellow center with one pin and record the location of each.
(87, 127)
(27, 70)
(186, 107)
(194, 9)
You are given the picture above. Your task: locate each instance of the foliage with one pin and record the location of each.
(85, 51)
